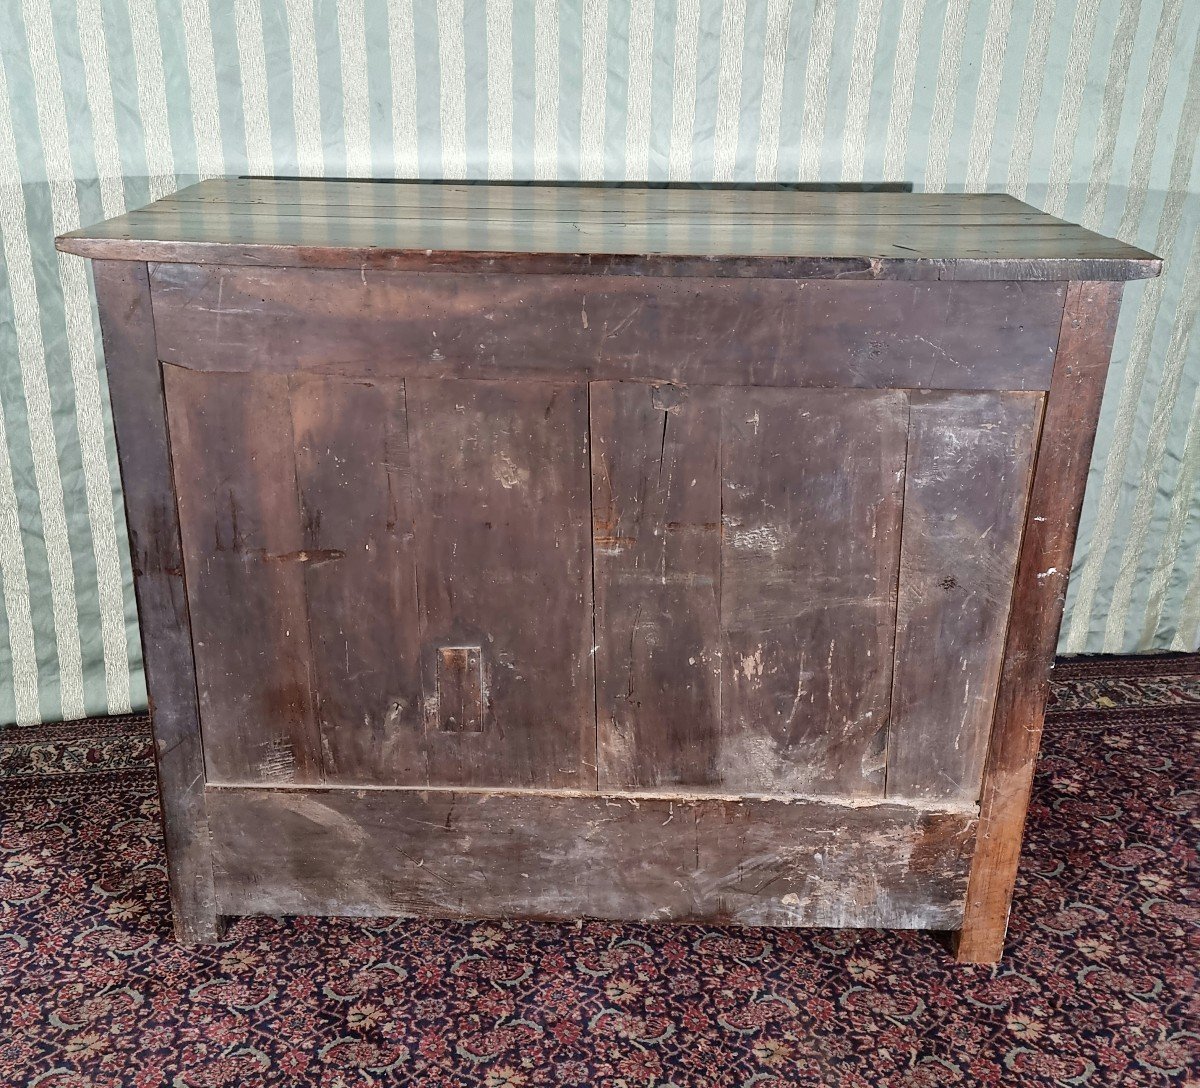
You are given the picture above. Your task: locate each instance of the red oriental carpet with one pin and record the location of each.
(1098, 986)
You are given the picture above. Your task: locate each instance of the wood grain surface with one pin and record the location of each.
(341, 536)
(244, 555)
(565, 551)
(654, 232)
(812, 496)
(761, 332)
(139, 417)
(1039, 594)
(477, 854)
(656, 548)
(746, 545)
(967, 472)
(354, 490)
(501, 514)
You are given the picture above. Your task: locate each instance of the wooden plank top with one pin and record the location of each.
(718, 232)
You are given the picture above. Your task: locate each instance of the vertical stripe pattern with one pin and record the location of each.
(816, 89)
(500, 89)
(202, 82)
(945, 95)
(31, 356)
(903, 89)
(252, 66)
(683, 98)
(453, 69)
(639, 84)
(402, 65)
(545, 90)
(593, 65)
(729, 89)
(81, 355)
(356, 97)
(775, 57)
(1029, 96)
(306, 84)
(21, 707)
(858, 93)
(93, 52)
(987, 96)
(152, 96)
(1088, 108)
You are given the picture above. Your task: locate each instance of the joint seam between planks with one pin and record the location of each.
(634, 797)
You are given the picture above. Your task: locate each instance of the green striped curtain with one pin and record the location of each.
(1089, 109)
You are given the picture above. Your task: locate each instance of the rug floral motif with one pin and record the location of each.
(1116, 692)
(1098, 986)
(94, 744)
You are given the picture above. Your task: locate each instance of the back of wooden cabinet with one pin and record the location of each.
(641, 555)
(598, 585)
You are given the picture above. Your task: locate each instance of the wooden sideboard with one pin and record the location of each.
(570, 551)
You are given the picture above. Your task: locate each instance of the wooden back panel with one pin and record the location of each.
(786, 333)
(353, 549)
(746, 549)
(796, 591)
(803, 590)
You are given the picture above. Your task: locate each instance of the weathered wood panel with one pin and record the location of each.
(244, 556)
(355, 492)
(752, 332)
(966, 482)
(447, 201)
(476, 854)
(812, 497)
(746, 544)
(1051, 520)
(139, 418)
(656, 541)
(643, 232)
(620, 204)
(501, 502)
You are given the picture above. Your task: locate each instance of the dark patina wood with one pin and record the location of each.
(563, 230)
(812, 507)
(478, 854)
(139, 419)
(500, 479)
(354, 490)
(759, 332)
(966, 478)
(244, 556)
(746, 545)
(1039, 594)
(628, 553)
(656, 555)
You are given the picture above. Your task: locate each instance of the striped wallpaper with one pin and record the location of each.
(1087, 108)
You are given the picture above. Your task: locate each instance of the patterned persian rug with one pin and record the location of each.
(1098, 986)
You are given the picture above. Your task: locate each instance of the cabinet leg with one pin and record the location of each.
(1056, 495)
(978, 945)
(194, 928)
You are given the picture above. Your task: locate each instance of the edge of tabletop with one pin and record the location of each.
(1137, 265)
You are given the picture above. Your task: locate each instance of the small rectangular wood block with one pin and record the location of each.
(460, 689)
